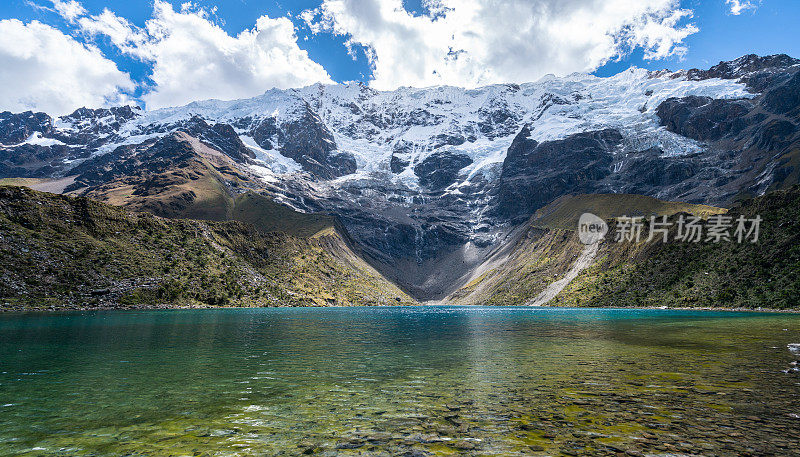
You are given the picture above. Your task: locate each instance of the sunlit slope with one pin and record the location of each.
(181, 177)
(64, 252)
(727, 274)
(565, 211)
(269, 216)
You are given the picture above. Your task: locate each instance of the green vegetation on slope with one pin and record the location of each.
(564, 212)
(678, 274)
(20, 181)
(726, 274)
(269, 216)
(765, 274)
(539, 257)
(59, 251)
(546, 247)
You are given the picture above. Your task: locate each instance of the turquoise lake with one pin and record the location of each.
(410, 381)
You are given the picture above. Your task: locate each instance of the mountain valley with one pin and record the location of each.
(434, 192)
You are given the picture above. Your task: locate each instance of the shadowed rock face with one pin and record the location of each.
(157, 156)
(88, 126)
(758, 73)
(221, 137)
(30, 160)
(441, 168)
(19, 159)
(308, 142)
(86, 131)
(745, 66)
(774, 134)
(536, 173)
(649, 170)
(749, 146)
(16, 128)
(703, 118)
(397, 165)
(785, 99)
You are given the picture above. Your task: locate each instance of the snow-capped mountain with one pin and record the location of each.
(427, 181)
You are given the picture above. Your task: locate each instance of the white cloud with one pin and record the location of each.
(69, 9)
(194, 59)
(45, 70)
(124, 35)
(738, 6)
(458, 42)
(477, 42)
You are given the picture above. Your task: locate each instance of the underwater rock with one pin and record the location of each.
(794, 348)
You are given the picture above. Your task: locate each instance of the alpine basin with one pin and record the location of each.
(393, 381)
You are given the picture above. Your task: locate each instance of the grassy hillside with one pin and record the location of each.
(517, 274)
(545, 248)
(20, 181)
(705, 274)
(178, 177)
(565, 211)
(727, 274)
(269, 216)
(678, 274)
(64, 252)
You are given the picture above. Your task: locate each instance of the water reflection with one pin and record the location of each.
(395, 380)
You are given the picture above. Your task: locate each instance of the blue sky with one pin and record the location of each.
(340, 33)
(723, 36)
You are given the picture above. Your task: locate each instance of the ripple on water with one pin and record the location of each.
(393, 381)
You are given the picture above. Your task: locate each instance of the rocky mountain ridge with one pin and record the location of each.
(428, 181)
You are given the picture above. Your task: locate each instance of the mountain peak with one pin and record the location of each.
(744, 66)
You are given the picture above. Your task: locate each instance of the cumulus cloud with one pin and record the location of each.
(46, 70)
(193, 58)
(738, 6)
(477, 42)
(457, 42)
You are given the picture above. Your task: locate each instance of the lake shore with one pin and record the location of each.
(9, 308)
